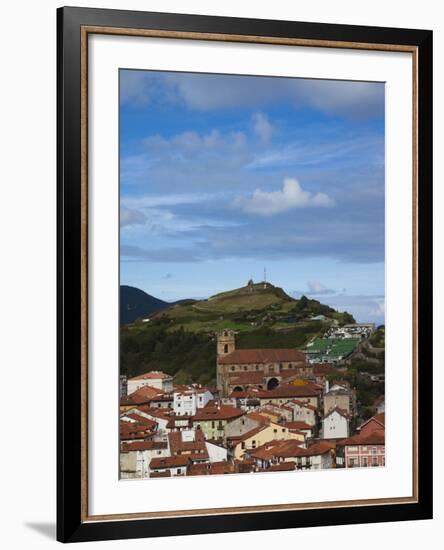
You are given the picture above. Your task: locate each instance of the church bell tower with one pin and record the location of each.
(225, 343)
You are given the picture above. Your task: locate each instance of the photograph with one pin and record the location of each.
(252, 274)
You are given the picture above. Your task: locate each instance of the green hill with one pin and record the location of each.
(245, 309)
(180, 340)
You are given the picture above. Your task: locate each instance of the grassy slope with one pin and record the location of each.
(181, 339)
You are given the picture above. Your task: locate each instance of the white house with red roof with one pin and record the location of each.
(366, 449)
(187, 402)
(135, 457)
(155, 379)
(303, 411)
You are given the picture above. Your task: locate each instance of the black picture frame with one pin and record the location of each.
(71, 526)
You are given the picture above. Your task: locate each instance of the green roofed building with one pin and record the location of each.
(330, 350)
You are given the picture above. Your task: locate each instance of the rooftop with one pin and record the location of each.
(377, 437)
(248, 356)
(223, 412)
(169, 462)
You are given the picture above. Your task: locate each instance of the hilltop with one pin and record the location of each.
(247, 308)
(180, 338)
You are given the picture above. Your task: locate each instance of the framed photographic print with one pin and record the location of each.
(244, 286)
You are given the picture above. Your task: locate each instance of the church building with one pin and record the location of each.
(265, 369)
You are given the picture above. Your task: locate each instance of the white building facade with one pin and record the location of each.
(335, 424)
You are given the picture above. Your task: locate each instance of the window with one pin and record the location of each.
(179, 471)
(245, 367)
(351, 462)
(243, 445)
(226, 348)
(375, 461)
(233, 368)
(364, 462)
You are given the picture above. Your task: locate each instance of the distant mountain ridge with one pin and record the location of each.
(136, 304)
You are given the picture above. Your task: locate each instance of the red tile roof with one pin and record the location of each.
(141, 420)
(223, 467)
(319, 448)
(143, 446)
(224, 412)
(247, 378)
(304, 405)
(290, 448)
(324, 369)
(169, 462)
(376, 437)
(249, 356)
(144, 395)
(282, 467)
(340, 411)
(374, 423)
(157, 412)
(215, 468)
(298, 425)
(380, 418)
(258, 417)
(134, 430)
(239, 438)
(285, 391)
(197, 446)
(198, 469)
(277, 448)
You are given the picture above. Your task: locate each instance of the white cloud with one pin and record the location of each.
(365, 309)
(262, 127)
(134, 88)
(316, 287)
(131, 217)
(291, 196)
(211, 92)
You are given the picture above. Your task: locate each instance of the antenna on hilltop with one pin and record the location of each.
(265, 277)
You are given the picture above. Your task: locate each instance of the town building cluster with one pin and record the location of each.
(272, 410)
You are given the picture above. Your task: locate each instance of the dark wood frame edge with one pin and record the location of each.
(72, 522)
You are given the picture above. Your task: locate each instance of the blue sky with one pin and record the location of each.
(221, 175)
